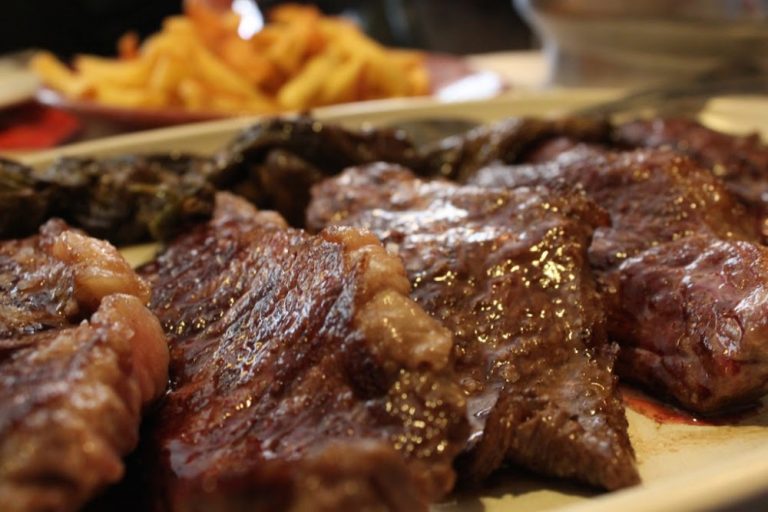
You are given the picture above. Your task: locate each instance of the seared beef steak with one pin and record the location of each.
(707, 298)
(508, 141)
(742, 162)
(302, 376)
(275, 162)
(664, 210)
(507, 273)
(71, 392)
(652, 196)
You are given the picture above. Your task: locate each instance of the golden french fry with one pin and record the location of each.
(192, 93)
(226, 103)
(166, 73)
(58, 76)
(131, 97)
(130, 73)
(214, 72)
(333, 27)
(300, 92)
(418, 78)
(288, 52)
(342, 85)
(254, 67)
(387, 80)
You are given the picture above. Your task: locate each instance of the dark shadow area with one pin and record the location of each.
(78, 26)
(93, 26)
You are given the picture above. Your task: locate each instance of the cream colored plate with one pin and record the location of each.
(17, 84)
(684, 467)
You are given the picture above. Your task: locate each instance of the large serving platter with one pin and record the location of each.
(685, 467)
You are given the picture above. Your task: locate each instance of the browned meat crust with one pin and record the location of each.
(71, 392)
(741, 162)
(275, 162)
(664, 210)
(507, 273)
(507, 141)
(303, 378)
(707, 298)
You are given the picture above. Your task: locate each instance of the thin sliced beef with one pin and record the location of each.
(507, 273)
(80, 356)
(302, 376)
(740, 161)
(662, 206)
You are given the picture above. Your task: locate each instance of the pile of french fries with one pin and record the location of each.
(198, 62)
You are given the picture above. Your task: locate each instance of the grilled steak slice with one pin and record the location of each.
(71, 392)
(508, 141)
(676, 232)
(652, 196)
(274, 163)
(742, 162)
(697, 312)
(507, 273)
(302, 376)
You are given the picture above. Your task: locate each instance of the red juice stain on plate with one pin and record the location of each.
(661, 412)
(34, 126)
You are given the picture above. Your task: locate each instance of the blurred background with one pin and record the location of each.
(201, 66)
(92, 26)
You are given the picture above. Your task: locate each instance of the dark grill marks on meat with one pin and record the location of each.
(36, 290)
(676, 234)
(303, 378)
(71, 392)
(507, 273)
(742, 162)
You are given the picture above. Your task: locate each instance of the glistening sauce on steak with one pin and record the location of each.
(684, 278)
(80, 357)
(507, 273)
(740, 161)
(302, 376)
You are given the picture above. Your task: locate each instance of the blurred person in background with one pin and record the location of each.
(93, 26)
